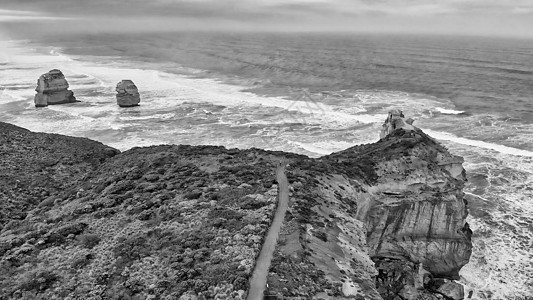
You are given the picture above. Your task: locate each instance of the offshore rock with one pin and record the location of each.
(52, 88)
(452, 290)
(127, 94)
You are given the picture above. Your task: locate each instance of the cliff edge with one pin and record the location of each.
(414, 211)
(377, 221)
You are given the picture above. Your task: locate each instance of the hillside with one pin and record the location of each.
(80, 220)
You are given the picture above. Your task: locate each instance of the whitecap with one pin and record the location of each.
(17, 95)
(480, 144)
(148, 117)
(448, 111)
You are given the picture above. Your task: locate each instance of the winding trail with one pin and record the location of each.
(259, 276)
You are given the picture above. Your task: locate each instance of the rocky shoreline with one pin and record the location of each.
(376, 221)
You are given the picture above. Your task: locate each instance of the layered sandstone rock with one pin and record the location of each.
(52, 88)
(387, 220)
(395, 121)
(127, 94)
(420, 212)
(452, 290)
(414, 208)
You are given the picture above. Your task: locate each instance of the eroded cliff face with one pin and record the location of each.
(377, 221)
(322, 251)
(414, 211)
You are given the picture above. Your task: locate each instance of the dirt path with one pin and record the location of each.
(259, 277)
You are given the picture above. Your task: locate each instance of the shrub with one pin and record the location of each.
(193, 195)
(74, 228)
(47, 202)
(89, 240)
(82, 261)
(38, 281)
(132, 248)
(249, 203)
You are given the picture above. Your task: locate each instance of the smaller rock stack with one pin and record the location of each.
(127, 94)
(394, 121)
(52, 88)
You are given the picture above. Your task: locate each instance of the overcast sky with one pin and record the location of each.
(513, 18)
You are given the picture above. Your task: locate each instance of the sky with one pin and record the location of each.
(511, 18)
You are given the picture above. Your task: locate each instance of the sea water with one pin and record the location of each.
(311, 94)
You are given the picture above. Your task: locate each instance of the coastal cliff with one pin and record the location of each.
(376, 221)
(414, 211)
(379, 221)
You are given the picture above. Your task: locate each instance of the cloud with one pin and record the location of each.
(414, 16)
(12, 16)
(241, 8)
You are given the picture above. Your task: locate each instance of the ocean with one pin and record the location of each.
(311, 94)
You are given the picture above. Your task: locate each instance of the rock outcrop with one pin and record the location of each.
(52, 88)
(127, 94)
(414, 208)
(381, 221)
(394, 121)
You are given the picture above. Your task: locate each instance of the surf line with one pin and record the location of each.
(259, 276)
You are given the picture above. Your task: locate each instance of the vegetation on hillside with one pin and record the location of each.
(151, 223)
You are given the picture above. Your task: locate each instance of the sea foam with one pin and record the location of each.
(480, 144)
(448, 111)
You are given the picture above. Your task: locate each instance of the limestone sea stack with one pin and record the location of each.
(52, 88)
(127, 94)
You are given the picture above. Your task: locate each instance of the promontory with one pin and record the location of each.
(80, 220)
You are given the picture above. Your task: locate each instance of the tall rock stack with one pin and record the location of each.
(395, 120)
(127, 94)
(52, 88)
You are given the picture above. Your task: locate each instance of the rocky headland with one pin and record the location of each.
(52, 88)
(127, 94)
(80, 220)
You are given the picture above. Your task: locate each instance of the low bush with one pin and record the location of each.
(82, 261)
(38, 281)
(193, 195)
(89, 240)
